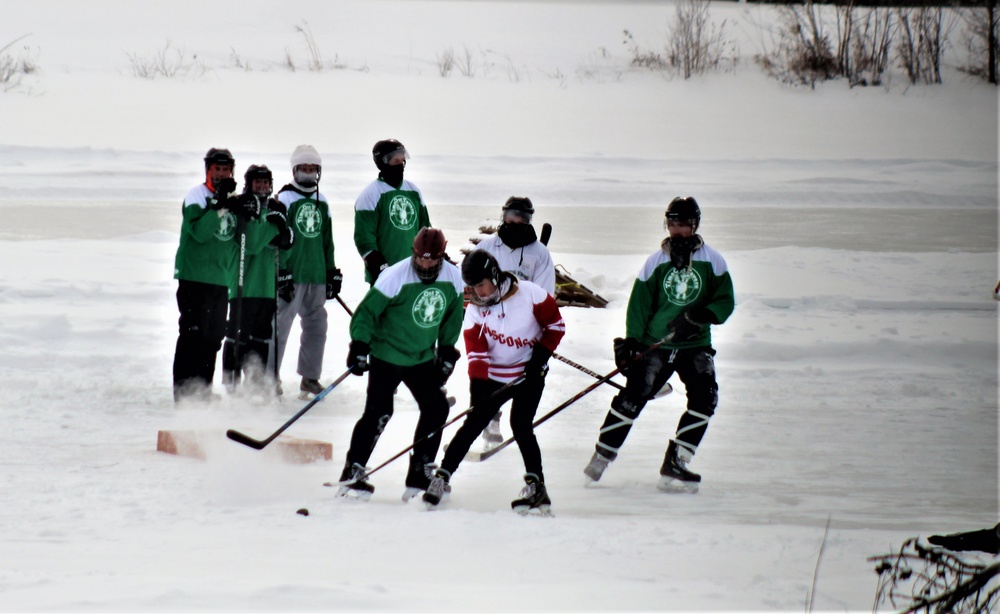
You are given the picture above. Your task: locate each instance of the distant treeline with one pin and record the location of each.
(889, 3)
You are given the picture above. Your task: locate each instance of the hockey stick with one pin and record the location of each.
(580, 367)
(344, 305)
(546, 233)
(260, 444)
(238, 367)
(604, 378)
(426, 437)
(667, 388)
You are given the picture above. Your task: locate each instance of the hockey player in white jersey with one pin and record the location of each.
(511, 329)
(517, 250)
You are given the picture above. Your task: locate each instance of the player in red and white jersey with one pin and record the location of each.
(511, 329)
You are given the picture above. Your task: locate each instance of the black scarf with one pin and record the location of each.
(517, 235)
(681, 248)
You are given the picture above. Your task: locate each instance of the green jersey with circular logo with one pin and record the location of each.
(403, 319)
(207, 250)
(662, 292)
(311, 255)
(387, 220)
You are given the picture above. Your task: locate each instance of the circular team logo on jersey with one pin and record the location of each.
(227, 227)
(682, 287)
(428, 308)
(308, 220)
(402, 212)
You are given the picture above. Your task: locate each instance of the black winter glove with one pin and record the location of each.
(357, 357)
(285, 236)
(223, 188)
(286, 287)
(444, 361)
(247, 206)
(684, 328)
(334, 280)
(537, 367)
(375, 263)
(479, 391)
(625, 352)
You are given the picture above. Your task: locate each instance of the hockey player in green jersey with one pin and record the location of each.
(264, 229)
(389, 212)
(405, 330)
(202, 266)
(681, 291)
(308, 275)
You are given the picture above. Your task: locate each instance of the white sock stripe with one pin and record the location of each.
(608, 448)
(699, 415)
(620, 416)
(690, 448)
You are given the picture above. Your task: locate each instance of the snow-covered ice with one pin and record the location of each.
(858, 375)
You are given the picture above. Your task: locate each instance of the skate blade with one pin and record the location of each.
(673, 485)
(352, 494)
(411, 492)
(542, 511)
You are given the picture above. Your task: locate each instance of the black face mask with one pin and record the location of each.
(517, 235)
(681, 249)
(393, 175)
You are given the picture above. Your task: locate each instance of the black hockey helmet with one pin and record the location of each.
(683, 208)
(519, 203)
(257, 171)
(429, 243)
(217, 155)
(479, 265)
(384, 150)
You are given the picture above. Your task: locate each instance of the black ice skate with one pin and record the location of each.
(595, 468)
(418, 478)
(533, 499)
(353, 484)
(674, 474)
(309, 388)
(438, 490)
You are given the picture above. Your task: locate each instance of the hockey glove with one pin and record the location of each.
(626, 351)
(223, 188)
(444, 361)
(375, 263)
(286, 287)
(334, 280)
(357, 357)
(246, 206)
(684, 328)
(285, 236)
(538, 365)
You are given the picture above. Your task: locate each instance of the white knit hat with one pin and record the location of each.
(305, 154)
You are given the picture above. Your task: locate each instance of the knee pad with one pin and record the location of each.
(627, 409)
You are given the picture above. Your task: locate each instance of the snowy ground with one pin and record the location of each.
(858, 375)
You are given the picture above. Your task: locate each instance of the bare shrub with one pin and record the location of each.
(315, 62)
(923, 35)
(465, 63)
(981, 41)
(695, 45)
(869, 44)
(13, 68)
(802, 53)
(642, 58)
(168, 62)
(446, 62)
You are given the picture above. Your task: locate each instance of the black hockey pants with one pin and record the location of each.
(696, 369)
(424, 382)
(202, 325)
(522, 413)
(257, 316)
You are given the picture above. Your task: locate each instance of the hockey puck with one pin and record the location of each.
(303, 512)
